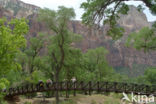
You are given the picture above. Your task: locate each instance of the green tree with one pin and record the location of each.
(60, 50)
(144, 39)
(36, 44)
(22, 59)
(150, 74)
(31, 58)
(97, 11)
(11, 41)
(96, 65)
(72, 63)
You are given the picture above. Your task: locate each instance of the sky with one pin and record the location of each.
(53, 4)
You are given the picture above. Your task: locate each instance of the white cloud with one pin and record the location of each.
(53, 4)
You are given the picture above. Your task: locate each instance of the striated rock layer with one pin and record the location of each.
(123, 59)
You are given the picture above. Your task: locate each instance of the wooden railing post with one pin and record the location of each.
(115, 87)
(147, 89)
(98, 87)
(67, 88)
(125, 87)
(106, 86)
(54, 86)
(153, 88)
(22, 89)
(32, 87)
(27, 88)
(90, 87)
(82, 85)
(9, 91)
(61, 88)
(18, 91)
(74, 88)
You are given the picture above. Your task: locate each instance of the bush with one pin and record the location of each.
(31, 95)
(49, 94)
(27, 103)
(4, 83)
(68, 102)
(35, 77)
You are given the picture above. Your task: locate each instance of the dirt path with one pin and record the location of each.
(79, 99)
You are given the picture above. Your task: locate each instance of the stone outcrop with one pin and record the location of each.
(18, 8)
(119, 55)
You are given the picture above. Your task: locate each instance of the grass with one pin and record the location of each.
(79, 99)
(96, 99)
(68, 102)
(27, 103)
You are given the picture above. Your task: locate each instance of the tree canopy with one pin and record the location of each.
(144, 39)
(11, 41)
(108, 11)
(150, 74)
(103, 10)
(62, 56)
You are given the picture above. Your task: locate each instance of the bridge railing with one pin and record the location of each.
(90, 86)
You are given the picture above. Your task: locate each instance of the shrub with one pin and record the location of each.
(27, 103)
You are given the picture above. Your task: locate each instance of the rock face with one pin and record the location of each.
(123, 59)
(18, 8)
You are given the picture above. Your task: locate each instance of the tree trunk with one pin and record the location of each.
(31, 69)
(57, 93)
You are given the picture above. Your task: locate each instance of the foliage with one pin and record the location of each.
(99, 10)
(102, 10)
(27, 103)
(3, 102)
(94, 66)
(108, 11)
(4, 83)
(45, 67)
(150, 75)
(31, 61)
(59, 47)
(134, 71)
(144, 39)
(15, 77)
(142, 80)
(11, 40)
(63, 61)
(35, 77)
(123, 70)
(22, 59)
(68, 102)
(31, 54)
(54, 20)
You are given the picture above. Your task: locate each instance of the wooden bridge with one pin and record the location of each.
(89, 87)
